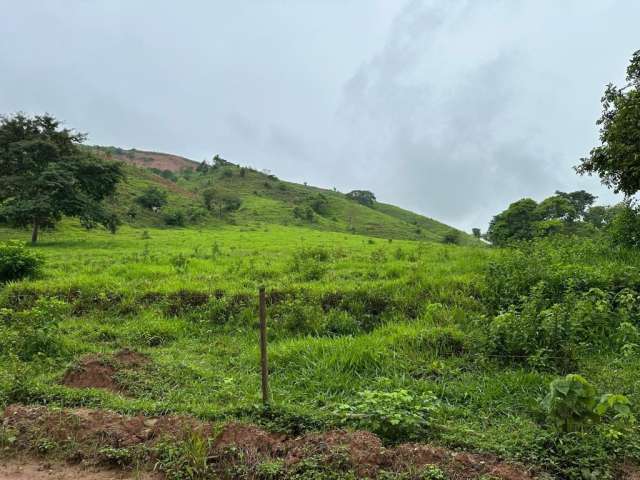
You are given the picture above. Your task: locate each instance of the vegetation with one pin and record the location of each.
(17, 262)
(45, 175)
(527, 351)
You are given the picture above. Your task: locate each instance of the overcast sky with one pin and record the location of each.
(449, 108)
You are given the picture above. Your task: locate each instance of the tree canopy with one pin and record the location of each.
(45, 174)
(363, 197)
(563, 213)
(617, 159)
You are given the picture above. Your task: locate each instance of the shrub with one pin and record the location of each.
(572, 404)
(18, 261)
(394, 416)
(174, 218)
(452, 238)
(33, 332)
(303, 212)
(152, 198)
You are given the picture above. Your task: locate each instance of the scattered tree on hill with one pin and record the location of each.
(228, 203)
(303, 212)
(203, 167)
(320, 204)
(208, 196)
(452, 237)
(363, 197)
(476, 232)
(617, 159)
(45, 174)
(218, 161)
(152, 198)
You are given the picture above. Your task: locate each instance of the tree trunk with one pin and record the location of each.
(34, 233)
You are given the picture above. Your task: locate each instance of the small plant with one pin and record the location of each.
(185, 460)
(145, 235)
(572, 404)
(180, 262)
(432, 472)
(17, 261)
(395, 416)
(270, 470)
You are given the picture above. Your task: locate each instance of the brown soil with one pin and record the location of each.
(96, 371)
(91, 372)
(130, 358)
(89, 430)
(628, 471)
(33, 469)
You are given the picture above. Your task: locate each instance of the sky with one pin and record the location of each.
(449, 108)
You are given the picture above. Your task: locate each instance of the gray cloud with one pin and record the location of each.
(450, 108)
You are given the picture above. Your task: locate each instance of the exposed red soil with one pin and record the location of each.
(34, 469)
(96, 371)
(91, 372)
(161, 161)
(363, 452)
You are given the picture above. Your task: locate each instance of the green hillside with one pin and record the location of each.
(263, 199)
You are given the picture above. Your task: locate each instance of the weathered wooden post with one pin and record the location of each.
(264, 365)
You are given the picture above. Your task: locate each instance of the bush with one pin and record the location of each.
(32, 333)
(394, 416)
(18, 261)
(174, 218)
(452, 238)
(152, 198)
(572, 405)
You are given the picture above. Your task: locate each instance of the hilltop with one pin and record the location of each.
(244, 196)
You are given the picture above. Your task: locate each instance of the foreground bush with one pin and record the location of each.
(17, 261)
(395, 416)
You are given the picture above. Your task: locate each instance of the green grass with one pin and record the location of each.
(347, 313)
(268, 200)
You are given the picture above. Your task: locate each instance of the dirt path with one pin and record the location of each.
(34, 469)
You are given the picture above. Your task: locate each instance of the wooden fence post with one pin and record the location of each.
(263, 347)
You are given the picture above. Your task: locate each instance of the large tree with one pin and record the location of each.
(45, 174)
(617, 159)
(515, 223)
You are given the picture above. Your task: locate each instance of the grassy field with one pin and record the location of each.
(347, 314)
(265, 199)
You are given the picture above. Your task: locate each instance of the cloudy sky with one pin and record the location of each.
(450, 108)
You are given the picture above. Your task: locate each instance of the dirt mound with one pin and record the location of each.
(91, 372)
(249, 438)
(363, 449)
(87, 431)
(130, 358)
(86, 427)
(96, 371)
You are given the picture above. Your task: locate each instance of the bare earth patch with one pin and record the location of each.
(89, 430)
(97, 371)
(33, 469)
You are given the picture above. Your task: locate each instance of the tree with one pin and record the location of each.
(476, 232)
(208, 196)
(580, 199)
(556, 207)
(363, 197)
(45, 174)
(320, 204)
(617, 159)
(152, 198)
(515, 223)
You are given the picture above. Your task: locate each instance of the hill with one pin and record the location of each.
(244, 196)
